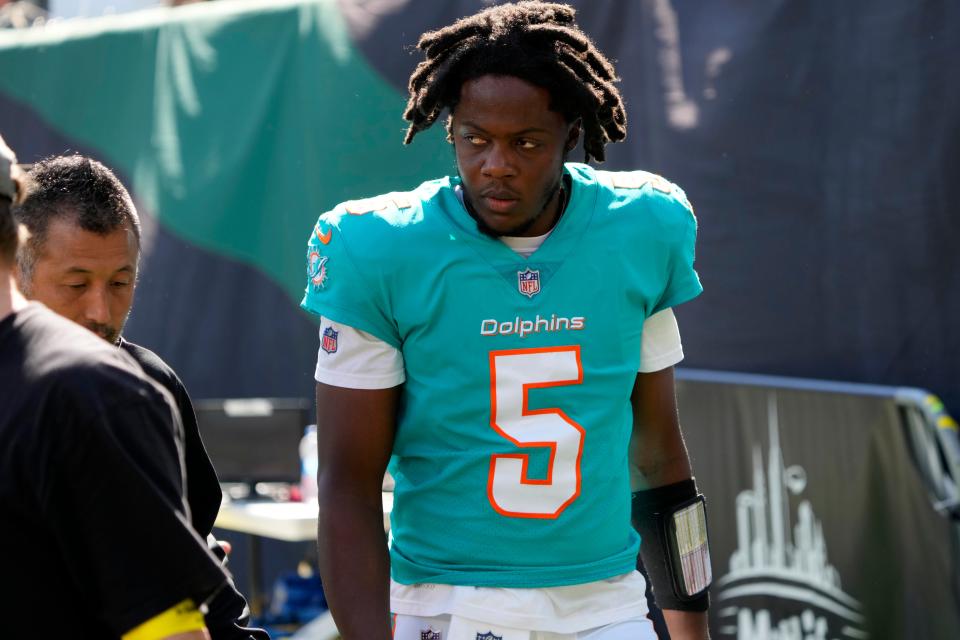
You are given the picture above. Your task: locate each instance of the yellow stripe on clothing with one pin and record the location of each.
(180, 618)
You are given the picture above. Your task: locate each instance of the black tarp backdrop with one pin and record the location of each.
(819, 142)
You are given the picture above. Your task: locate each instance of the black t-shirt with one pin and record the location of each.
(93, 522)
(203, 488)
(226, 616)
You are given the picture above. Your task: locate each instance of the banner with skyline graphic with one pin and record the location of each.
(821, 527)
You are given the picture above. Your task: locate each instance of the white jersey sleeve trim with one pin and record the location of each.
(660, 343)
(356, 359)
(348, 381)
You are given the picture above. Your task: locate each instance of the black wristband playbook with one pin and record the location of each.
(671, 521)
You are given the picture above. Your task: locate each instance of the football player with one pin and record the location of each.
(504, 339)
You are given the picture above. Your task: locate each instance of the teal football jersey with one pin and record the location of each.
(510, 455)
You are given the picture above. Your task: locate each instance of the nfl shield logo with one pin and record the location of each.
(430, 634)
(528, 282)
(329, 342)
(488, 636)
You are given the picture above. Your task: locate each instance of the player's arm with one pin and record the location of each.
(661, 474)
(355, 430)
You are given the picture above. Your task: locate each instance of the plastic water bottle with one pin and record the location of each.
(308, 464)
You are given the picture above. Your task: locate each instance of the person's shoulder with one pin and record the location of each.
(77, 364)
(52, 344)
(639, 197)
(70, 379)
(374, 219)
(153, 365)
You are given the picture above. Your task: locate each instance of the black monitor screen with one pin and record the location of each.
(254, 440)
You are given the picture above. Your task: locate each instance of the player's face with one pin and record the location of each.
(87, 277)
(510, 149)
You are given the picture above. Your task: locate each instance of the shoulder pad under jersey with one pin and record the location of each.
(638, 180)
(397, 200)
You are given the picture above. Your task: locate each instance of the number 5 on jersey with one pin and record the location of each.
(512, 374)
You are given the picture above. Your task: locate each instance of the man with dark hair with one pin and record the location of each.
(82, 256)
(94, 522)
(504, 339)
(81, 260)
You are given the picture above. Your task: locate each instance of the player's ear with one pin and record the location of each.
(573, 135)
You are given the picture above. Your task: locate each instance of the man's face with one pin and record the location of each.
(86, 277)
(510, 149)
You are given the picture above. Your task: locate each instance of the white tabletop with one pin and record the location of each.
(290, 521)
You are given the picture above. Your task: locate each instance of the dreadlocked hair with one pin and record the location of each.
(538, 42)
